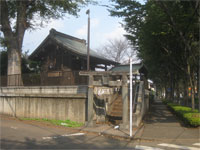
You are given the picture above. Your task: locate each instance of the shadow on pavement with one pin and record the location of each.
(78, 142)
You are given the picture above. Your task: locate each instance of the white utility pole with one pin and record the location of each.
(131, 95)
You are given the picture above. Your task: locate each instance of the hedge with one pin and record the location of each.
(189, 117)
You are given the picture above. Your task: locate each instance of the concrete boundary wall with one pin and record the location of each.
(55, 102)
(45, 89)
(142, 105)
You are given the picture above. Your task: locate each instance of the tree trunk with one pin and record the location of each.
(191, 81)
(185, 96)
(163, 91)
(178, 93)
(199, 68)
(172, 87)
(198, 81)
(14, 68)
(198, 84)
(193, 98)
(167, 93)
(14, 40)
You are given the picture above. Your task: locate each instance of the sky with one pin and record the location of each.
(103, 28)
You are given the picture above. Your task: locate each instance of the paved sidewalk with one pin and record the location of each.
(161, 124)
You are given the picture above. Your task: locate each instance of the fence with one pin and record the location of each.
(44, 79)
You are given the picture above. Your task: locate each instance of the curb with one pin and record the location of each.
(109, 135)
(114, 136)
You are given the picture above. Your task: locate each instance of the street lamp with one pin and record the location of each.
(88, 41)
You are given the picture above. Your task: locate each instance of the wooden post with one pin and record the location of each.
(90, 102)
(125, 102)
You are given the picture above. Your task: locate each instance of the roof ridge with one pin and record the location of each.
(54, 32)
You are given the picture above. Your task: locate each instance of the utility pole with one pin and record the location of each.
(88, 41)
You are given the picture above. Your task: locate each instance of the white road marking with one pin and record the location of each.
(54, 137)
(13, 128)
(47, 138)
(178, 146)
(75, 134)
(146, 148)
(196, 144)
(64, 124)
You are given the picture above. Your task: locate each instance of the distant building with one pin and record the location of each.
(139, 71)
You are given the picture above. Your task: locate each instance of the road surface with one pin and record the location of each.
(16, 134)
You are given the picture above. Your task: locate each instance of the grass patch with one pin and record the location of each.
(189, 117)
(66, 123)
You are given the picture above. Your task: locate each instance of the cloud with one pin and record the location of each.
(108, 33)
(83, 30)
(57, 24)
(118, 32)
(94, 22)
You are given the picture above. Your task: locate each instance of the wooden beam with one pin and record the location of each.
(97, 83)
(102, 73)
(115, 83)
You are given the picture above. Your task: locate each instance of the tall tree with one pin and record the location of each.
(166, 34)
(17, 16)
(184, 23)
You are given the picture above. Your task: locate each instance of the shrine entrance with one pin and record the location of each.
(108, 97)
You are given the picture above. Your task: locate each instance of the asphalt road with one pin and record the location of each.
(17, 134)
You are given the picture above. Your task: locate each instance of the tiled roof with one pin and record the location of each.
(126, 68)
(73, 44)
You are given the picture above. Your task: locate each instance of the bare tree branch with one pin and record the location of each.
(118, 50)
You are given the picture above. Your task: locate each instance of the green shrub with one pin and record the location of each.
(189, 117)
(193, 118)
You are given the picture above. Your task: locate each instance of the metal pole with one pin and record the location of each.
(131, 109)
(88, 41)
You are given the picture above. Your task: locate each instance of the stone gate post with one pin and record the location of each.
(125, 102)
(90, 102)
